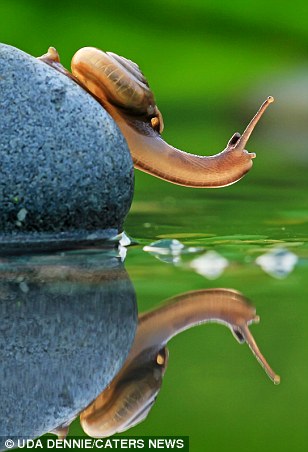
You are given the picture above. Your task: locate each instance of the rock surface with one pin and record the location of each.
(67, 324)
(65, 169)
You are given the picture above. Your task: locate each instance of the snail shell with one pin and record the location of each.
(121, 82)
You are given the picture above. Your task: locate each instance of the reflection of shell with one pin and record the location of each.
(128, 399)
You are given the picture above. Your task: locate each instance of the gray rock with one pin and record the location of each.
(67, 324)
(65, 169)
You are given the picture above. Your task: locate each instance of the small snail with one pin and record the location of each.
(130, 396)
(121, 88)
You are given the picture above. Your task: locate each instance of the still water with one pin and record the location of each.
(252, 238)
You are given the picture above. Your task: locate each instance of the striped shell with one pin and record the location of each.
(121, 81)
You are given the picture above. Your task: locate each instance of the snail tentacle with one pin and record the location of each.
(52, 58)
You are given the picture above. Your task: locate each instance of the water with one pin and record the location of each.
(255, 233)
(251, 237)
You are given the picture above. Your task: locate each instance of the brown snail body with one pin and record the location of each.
(119, 85)
(130, 396)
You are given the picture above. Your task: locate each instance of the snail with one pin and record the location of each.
(130, 396)
(121, 88)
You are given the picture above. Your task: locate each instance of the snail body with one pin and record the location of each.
(121, 88)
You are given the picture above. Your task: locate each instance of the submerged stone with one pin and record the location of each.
(65, 169)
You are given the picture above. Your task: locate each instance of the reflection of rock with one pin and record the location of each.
(278, 262)
(67, 324)
(65, 167)
(210, 265)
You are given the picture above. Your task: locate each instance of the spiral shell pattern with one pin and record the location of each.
(121, 80)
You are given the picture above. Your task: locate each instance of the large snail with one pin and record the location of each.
(119, 85)
(130, 396)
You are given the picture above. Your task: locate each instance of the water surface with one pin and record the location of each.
(254, 235)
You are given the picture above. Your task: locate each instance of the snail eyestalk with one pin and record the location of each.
(260, 358)
(51, 55)
(241, 143)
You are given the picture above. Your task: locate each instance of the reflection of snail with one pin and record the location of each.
(130, 396)
(119, 85)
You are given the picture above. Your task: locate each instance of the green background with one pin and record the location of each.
(210, 65)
